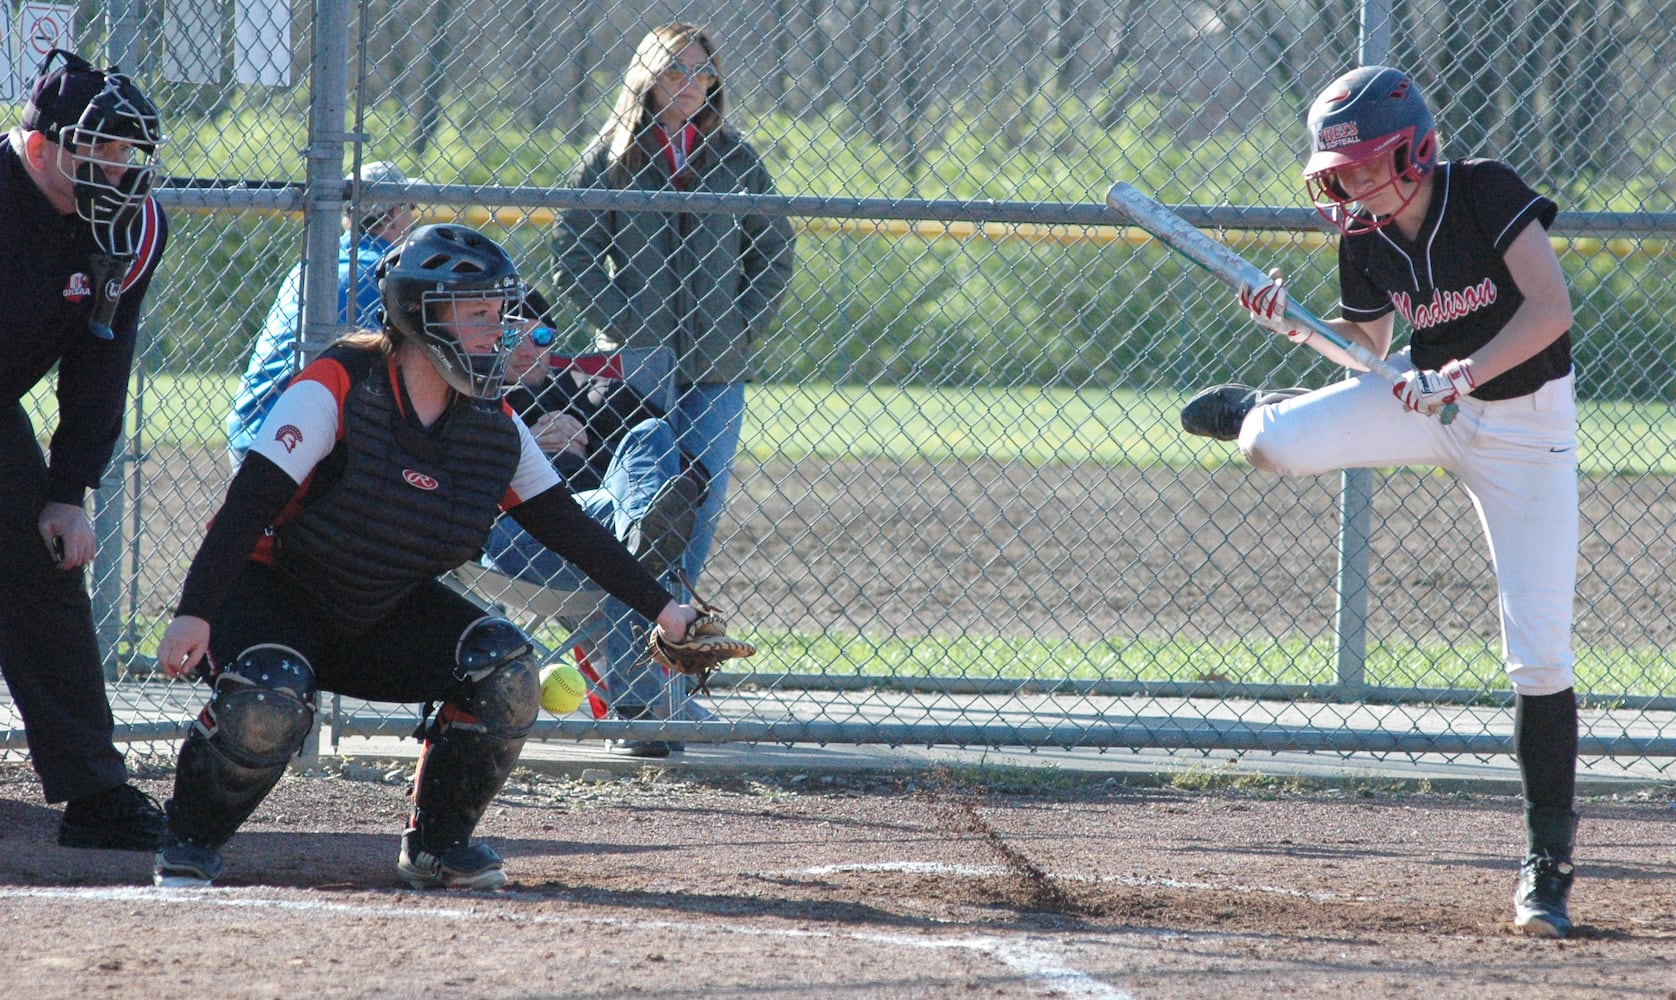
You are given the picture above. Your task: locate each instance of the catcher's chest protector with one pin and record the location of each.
(410, 504)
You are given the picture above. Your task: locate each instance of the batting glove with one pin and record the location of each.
(1267, 305)
(1430, 391)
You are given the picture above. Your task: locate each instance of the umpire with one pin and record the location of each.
(80, 238)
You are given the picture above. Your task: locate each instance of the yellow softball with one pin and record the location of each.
(562, 688)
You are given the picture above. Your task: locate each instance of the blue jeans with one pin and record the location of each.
(707, 421)
(644, 459)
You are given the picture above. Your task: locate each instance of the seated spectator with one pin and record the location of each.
(621, 460)
(273, 359)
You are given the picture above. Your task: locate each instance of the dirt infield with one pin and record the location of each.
(964, 882)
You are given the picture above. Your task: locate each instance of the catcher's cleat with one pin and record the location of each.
(1539, 903)
(180, 865)
(1217, 412)
(463, 866)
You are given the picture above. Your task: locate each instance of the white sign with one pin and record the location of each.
(8, 69)
(41, 27)
(262, 42)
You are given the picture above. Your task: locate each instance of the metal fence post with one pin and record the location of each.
(323, 201)
(323, 206)
(105, 571)
(109, 502)
(1356, 497)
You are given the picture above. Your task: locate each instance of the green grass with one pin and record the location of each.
(1037, 427)
(1029, 426)
(1461, 666)
(1043, 426)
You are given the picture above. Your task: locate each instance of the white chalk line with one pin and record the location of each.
(1035, 963)
(995, 871)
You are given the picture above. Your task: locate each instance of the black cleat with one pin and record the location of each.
(658, 539)
(1539, 904)
(180, 865)
(117, 819)
(463, 866)
(642, 748)
(634, 747)
(1217, 412)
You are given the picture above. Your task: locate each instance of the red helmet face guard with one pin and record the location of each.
(1407, 162)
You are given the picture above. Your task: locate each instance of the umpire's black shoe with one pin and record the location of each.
(1217, 412)
(117, 819)
(1539, 905)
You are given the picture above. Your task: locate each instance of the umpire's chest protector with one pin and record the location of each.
(410, 504)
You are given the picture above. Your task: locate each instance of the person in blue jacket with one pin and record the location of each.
(367, 237)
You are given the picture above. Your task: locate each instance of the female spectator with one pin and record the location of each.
(705, 284)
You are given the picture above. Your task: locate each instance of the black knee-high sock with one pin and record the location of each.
(1545, 738)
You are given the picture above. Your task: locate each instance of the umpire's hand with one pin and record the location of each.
(68, 534)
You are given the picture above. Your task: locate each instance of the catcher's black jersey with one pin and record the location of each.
(1451, 283)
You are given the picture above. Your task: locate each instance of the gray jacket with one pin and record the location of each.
(704, 285)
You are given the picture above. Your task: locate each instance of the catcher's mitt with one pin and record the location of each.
(706, 646)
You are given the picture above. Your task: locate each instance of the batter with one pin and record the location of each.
(1460, 251)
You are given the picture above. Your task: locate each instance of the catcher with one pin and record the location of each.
(382, 465)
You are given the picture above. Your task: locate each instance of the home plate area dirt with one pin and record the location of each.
(977, 882)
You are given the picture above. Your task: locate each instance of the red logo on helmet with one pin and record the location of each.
(289, 436)
(418, 480)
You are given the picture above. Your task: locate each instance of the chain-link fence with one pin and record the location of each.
(961, 510)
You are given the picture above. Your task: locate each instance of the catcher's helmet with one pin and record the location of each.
(88, 111)
(449, 263)
(1366, 115)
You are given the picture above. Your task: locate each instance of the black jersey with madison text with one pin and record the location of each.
(1451, 283)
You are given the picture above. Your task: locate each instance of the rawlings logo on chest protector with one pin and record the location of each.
(418, 480)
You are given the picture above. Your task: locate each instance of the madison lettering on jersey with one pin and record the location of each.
(1445, 306)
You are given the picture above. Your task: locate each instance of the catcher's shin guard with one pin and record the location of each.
(1539, 904)
(460, 772)
(471, 748)
(256, 720)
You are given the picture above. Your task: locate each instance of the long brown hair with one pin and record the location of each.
(633, 113)
(385, 341)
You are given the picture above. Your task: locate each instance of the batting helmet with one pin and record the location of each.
(449, 263)
(1365, 115)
